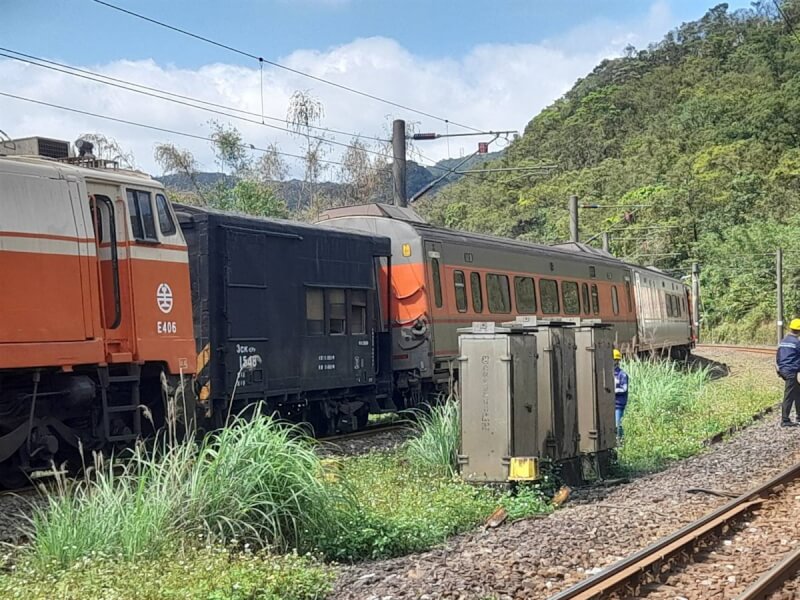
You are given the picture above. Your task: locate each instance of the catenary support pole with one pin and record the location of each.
(606, 242)
(399, 161)
(573, 219)
(696, 299)
(779, 286)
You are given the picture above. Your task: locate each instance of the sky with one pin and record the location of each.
(486, 65)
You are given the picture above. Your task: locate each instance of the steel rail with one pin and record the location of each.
(332, 439)
(631, 570)
(751, 349)
(773, 579)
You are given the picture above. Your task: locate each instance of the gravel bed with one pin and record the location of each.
(535, 558)
(725, 568)
(379, 441)
(14, 507)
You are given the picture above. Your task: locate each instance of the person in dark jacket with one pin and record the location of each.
(787, 361)
(620, 391)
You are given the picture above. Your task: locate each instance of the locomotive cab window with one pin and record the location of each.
(614, 300)
(525, 293)
(337, 314)
(585, 295)
(498, 293)
(477, 292)
(143, 223)
(595, 300)
(358, 312)
(569, 295)
(315, 312)
(165, 221)
(98, 203)
(460, 284)
(437, 282)
(548, 290)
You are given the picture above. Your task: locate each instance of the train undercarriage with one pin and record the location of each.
(50, 419)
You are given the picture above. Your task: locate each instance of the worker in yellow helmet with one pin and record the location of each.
(620, 391)
(787, 361)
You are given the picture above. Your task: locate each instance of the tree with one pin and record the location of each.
(174, 160)
(303, 114)
(229, 148)
(108, 148)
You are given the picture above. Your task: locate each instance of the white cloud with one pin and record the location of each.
(494, 86)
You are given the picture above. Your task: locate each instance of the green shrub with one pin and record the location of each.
(258, 482)
(437, 438)
(403, 508)
(525, 501)
(211, 573)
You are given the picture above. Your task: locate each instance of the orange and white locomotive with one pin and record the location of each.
(95, 307)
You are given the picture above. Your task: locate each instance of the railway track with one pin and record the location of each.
(362, 433)
(655, 571)
(749, 349)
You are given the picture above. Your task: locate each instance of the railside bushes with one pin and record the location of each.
(403, 508)
(257, 487)
(437, 435)
(257, 482)
(209, 573)
(672, 412)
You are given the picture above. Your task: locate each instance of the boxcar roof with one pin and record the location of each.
(188, 213)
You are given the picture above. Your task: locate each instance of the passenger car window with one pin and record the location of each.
(337, 317)
(569, 294)
(614, 300)
(525, 294)
(595, 300)
(477, 292)
(315, 312)
(437, 282)
(460, 284)
(142, 220)
(165, 222)
(498, 293)
(358, 312)
(585, 294)
(548, 290)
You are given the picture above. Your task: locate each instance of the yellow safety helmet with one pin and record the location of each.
(794, 324)
(618, 354)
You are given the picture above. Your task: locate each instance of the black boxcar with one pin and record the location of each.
(290, 315)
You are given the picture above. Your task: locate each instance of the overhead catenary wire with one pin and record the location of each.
(246, 146)
(209, 110)
(261, 59)
(56, 66)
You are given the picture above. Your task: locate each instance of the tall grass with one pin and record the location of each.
(258, 482)
(437, 438)
(673, 412)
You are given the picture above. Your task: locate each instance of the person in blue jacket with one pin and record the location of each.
(620, 391)
(787, 361)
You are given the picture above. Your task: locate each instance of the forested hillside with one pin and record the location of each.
(692, 149)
